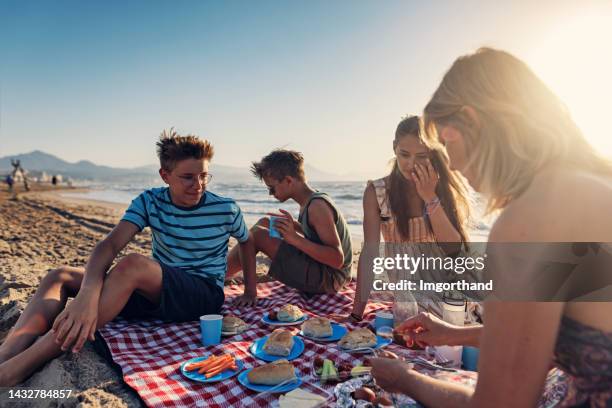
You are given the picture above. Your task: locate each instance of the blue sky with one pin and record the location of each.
(100, 80)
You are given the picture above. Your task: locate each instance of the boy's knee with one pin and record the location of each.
(57, 275)
(128, 266)
(262, 222)
(132, 268)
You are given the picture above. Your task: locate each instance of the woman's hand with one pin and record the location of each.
(388, 372)
(427, 330)
(426, 180)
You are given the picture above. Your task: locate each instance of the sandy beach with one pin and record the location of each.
(41, 230)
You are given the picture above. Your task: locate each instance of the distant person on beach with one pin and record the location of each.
(515, 142)
(181, 281)
(54, 180)
(313, 254)
(9, 181)
(420, 201)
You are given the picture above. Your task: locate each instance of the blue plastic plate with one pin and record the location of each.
(195, 376)
(257, 350)
(242, 379)
(267, 320)
(338, 331)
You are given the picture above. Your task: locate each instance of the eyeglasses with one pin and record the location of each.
(203, 179)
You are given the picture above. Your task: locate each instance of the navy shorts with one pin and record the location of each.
(184, 297)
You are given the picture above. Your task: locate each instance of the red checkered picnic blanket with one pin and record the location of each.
(150, 352)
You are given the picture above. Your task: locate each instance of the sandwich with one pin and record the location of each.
(233, 325)
(299, 398)
(289, 313)
(360, 338)
(279, 343)
(317, 327)
(272, 373)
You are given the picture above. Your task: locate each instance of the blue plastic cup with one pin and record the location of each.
(210, 329)
(470, 358)
(383, 319)
(274, 233)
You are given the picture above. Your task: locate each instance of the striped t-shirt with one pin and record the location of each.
(191, 239)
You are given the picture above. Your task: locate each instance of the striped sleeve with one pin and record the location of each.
(137, 212)
(238, 229)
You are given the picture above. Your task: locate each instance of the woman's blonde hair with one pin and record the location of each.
(521, 125)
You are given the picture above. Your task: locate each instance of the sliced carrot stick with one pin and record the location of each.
(201, 364)
(218, 370)
(209, 362)
(219, 361)
(223, 364)
(212, 366)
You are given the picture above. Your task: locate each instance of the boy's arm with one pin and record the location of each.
(321, 219)
(247, 253)
(83, 310)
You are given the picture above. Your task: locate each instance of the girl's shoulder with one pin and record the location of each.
(560, 205)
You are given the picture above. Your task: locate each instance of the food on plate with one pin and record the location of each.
(213, 365)
(233, 324)
(404, 339)
(289, 313)
(299, 398)
(272, 373)
(360, 370)
(359, 338)
(387, 354)
(279, 343)
(364, 393)
(329, 371)
(317, 327)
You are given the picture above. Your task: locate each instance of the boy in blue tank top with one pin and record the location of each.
(314, 253)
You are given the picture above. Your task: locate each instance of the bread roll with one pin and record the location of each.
(317, 327)
(233, 324)
(358, 339)
(272, 373)
(289, 313)
(279, 343)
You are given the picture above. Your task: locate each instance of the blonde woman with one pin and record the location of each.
(420, 201)
(514, 141)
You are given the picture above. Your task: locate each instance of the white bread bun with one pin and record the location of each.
(358, 339)
(272, 373)
(317, 327)
(233, 324)
(279, 343)
(289, 313)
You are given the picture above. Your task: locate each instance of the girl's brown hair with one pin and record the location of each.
(450, 189)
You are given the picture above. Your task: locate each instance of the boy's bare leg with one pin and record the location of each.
(37, 318)
(132, 273)
(263, 242)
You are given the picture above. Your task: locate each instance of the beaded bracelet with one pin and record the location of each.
(432, 206)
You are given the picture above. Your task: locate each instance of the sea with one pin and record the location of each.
(255, 202)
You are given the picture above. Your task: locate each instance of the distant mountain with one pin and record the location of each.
(41, 161)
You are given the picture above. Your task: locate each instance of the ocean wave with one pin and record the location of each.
(348, 197)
